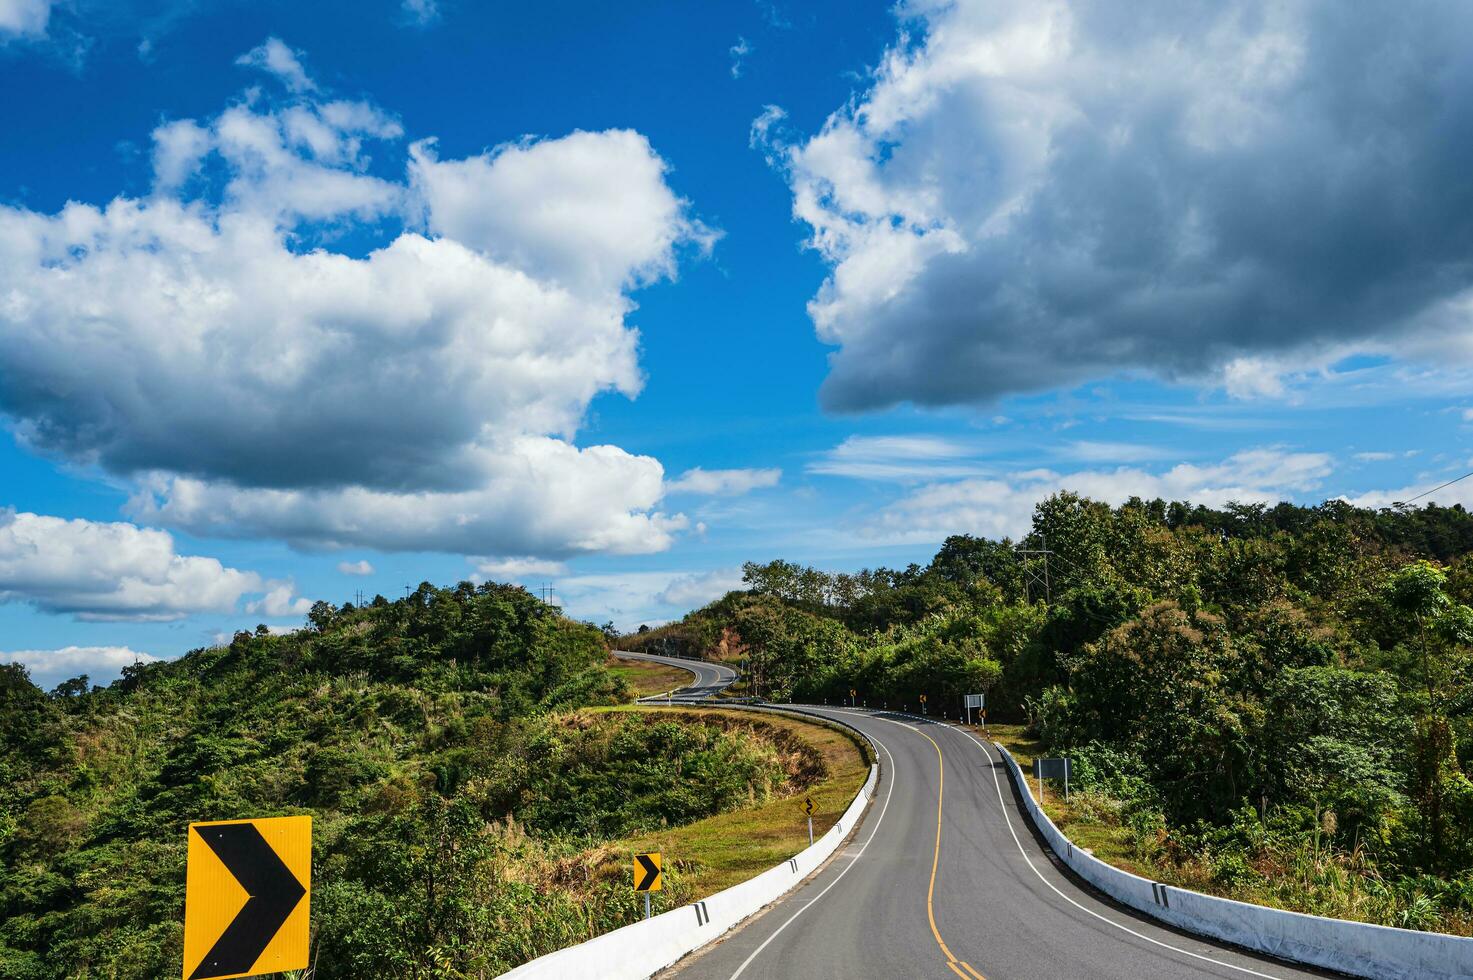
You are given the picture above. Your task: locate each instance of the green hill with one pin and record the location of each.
(456, 796)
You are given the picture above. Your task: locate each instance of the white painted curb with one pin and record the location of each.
(1357, 948)
(640, 950)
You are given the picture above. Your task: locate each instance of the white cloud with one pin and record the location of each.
(360, 567)
(696, 590)
(1468, 415)
(723, 483)
(208, 344)
(275, 57)
(1004, 506)
(25, 18)
(539, 497)
(1253, 377)
(1088, 451)
(739, 52)
(630, 599)
(281, 599)
(899, 458)
(590, 211)
(112, 571)
(179, 147)
(1374, 457)
(1030, 193)
(50, 667)
(513, 569)
(1460, 492)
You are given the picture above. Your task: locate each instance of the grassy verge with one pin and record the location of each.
(1108, 841)
(727, 849)
(1283, 875)
(646, 677)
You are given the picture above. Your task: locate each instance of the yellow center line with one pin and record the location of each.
(951, 960)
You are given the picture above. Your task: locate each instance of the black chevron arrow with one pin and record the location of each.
(274, 892)
(651, 872)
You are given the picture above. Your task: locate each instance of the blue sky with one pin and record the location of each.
(617, 296)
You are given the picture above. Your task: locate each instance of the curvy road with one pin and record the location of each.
(711, 678)
(944, 878)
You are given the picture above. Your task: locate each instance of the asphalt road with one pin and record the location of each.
(711, 678)
(944, 879)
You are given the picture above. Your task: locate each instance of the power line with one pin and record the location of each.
(1403, 503)
(1030, 576)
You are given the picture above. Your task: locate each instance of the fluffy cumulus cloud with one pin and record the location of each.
(114, 571)
(724, 483)
(280, 600)
(1002, 506)
(220, 344)
(50, 667)
(590, 211)
(359, 568)
(531, 496)
(1033, 192)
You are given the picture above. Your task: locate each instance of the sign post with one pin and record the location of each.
(923, 704)
(1051, 769)
(852, 695)
(648, 876)
(247, 893)
(809, 808)
(975, 701)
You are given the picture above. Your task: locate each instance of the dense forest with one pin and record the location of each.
(1260, 691)
(461, 807)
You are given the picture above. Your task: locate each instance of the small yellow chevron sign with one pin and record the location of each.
(246, 897)
(647, 876)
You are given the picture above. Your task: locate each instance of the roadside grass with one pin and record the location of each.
(646, 677)
(1288, 876)
(712, 854)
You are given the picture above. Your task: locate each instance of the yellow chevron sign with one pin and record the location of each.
(647, 876)
(247, 896)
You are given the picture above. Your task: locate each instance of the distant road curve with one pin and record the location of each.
(711, 678)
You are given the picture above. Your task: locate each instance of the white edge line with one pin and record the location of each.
(1105, 919)
(889, 792)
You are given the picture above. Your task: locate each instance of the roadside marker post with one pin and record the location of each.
(809, 808)
(923, 704)
(648, 876)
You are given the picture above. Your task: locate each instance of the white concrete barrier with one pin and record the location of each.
(638, 951)
(1357, 948)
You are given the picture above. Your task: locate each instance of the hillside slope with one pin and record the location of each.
(460, 801)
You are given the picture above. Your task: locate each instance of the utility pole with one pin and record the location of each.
(1031, 574)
